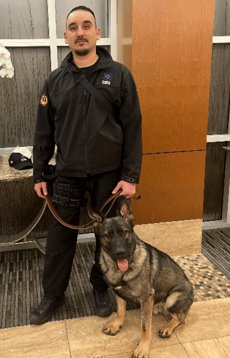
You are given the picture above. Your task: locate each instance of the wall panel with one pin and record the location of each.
(171, 52)
(222, 18)
(171, 186)
(124, 32)
(214, 181)
(218, 118)
(171, 63)
(219, 90)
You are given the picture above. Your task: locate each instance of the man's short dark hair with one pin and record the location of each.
(82, 7)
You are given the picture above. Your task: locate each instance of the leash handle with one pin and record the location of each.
(113, 197)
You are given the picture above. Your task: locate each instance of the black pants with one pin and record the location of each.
(61, 241)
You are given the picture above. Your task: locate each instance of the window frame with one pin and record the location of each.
(54, 43)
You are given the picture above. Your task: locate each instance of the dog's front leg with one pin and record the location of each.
(142, 351)
(115, 326)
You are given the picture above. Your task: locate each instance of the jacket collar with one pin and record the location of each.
(103, 61)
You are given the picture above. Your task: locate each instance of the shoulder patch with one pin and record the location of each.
(44, 100)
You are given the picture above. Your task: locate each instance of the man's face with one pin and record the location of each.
(81, 33)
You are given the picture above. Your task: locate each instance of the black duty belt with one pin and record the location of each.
(64, 201)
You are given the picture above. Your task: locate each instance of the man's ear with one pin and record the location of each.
(124, 209)
(98, 33)
(95, 215)
(65, 37)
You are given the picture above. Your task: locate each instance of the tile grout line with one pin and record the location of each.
(192, 342)
(198, 355)
(68, 339)
(182, 345)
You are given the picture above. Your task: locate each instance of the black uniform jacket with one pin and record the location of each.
(88, 137)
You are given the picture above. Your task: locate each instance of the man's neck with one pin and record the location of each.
(85, 61)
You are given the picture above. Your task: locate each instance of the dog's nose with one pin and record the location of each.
(120, 252)
(119, 249)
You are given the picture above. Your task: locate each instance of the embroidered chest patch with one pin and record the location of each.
(107, 78)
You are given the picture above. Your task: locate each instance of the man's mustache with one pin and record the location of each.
(80, 39)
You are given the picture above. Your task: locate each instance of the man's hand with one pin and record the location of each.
(41, 189)
(128, 189)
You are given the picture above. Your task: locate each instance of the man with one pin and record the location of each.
(97, 151)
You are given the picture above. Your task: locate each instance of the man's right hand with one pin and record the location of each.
(41, 189)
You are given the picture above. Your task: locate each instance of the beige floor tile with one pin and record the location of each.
(87, 340)
(191, 350)
(175, 351)
(175, 238)
(206, 320)
(212, 348)
(46, 341)
(225, 342)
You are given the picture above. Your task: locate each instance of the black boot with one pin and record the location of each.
(44, 311)
(103, 305)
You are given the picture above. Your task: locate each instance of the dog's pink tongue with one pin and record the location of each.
(123, 265)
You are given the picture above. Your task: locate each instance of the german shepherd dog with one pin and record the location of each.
(140, 273)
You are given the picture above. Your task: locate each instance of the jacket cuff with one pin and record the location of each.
(36, 181)
(128, 179)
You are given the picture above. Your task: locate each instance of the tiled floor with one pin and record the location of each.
(205, 335)
(21, 284)
(208, 281)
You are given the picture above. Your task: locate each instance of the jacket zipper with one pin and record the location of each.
(84, 131)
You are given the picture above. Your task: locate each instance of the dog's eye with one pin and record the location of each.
(124, 231)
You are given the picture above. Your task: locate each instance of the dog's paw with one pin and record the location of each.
(142, 350)
(111, 329)
(164, 333)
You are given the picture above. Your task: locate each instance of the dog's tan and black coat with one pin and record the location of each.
(140, 273)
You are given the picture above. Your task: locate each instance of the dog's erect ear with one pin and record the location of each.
(95, 215)
(124, 209)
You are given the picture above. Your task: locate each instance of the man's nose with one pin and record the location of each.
(80, 31)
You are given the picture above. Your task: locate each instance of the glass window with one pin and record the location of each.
(24, 19)
(20, 95)
(99, 8)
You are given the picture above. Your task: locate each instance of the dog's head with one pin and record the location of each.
(116, 234)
